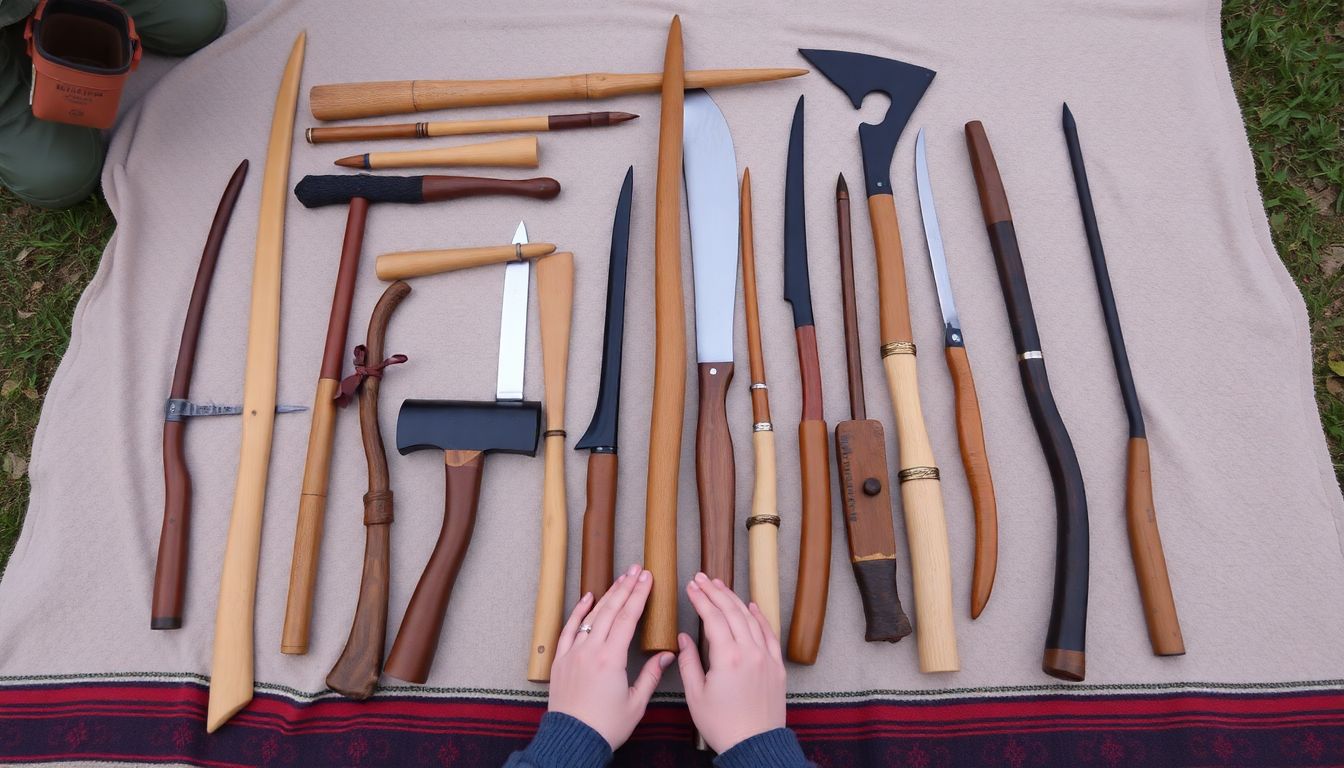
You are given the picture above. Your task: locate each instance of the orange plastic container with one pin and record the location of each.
(82, 52)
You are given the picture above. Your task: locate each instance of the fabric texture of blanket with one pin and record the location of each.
(1248, 504)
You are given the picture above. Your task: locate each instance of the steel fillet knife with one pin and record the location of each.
(712, 207)
(970, 431)
(599, 518)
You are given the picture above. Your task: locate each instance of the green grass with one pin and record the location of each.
(1287, 63)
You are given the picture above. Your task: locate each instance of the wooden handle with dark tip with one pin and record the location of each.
(1150, 564)
(975, 462)
(335, 133)
(715, 472)
(814, 549)
(356, 671)
(885, 620)
(599, 521)
(170, 570)
(418, 638)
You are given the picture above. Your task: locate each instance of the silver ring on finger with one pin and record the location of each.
(585, 628)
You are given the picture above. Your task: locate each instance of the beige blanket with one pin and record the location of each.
(1248, 505)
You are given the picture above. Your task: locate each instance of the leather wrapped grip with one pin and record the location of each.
(882, 611)
(318, 190)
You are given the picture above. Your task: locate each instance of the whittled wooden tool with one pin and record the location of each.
(429, 130)
(508, 153)
(349, 100)
(231, 667)
(763, 525)
(400, 265)
(356, 671)
(555, 303)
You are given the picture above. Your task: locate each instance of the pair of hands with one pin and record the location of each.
(741, 696)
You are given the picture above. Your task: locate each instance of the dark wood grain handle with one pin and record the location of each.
(355, 673)
(1150, 563)
(418, 638)
(884, 617)
(599, 521)
(334, 133)
(170, 571)
(715, 472)
(452, 187)
(975, 461)
(814, 549)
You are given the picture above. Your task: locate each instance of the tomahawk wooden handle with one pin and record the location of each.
(355, 673)
(669, 364)
(555, 305)
(715, 472)
(308, 527)
(975, 460)
(763, 535)
(418, 638)
(342, 101)
(507, 153)
(921, 494)
(401, 265)
(814, 549)
(1150, 564)
(599, 522)
(332, 189)
(170, 570)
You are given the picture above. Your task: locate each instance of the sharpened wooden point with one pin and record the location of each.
(355, 161)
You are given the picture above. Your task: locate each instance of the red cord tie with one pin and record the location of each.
(351, 384)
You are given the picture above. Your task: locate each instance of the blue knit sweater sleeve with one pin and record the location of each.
(563, 742)
(776, 749)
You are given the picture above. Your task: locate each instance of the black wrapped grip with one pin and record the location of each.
(882, 609)
(317, 191)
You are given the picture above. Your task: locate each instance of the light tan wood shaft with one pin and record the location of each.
(921, 493)
(507, 153)
(329, 134)
(555, 303)
(308, 530)
(342, 101)
(231, 668)
(763, 537)
(669, 366)
(401, 265)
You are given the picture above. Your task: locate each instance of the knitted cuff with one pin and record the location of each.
(778, 748)
(567, 742)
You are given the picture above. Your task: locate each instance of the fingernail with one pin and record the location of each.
(665, 660)
(702, 578)
(587, 596)
(682, 641)
(632, 570)
(753, 606)
(692, 586)
(719, 583)
(644, 576)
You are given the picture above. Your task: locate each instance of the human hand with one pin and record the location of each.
(743, 693)
(589, 680)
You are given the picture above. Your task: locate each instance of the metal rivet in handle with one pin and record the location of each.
(872, 486)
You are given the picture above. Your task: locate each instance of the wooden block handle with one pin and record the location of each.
(1150, 563)
(418, 638)
(355, 673)
(401, 265)
(975, 461)
(308, 526)
(170, 570)
(599, 521)
(763, 533)
(884, 618)
(715, 472)
(507, 153)
(814, 549)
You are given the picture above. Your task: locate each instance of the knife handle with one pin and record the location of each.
(599, 522)
(715, 473)
(1150, 564)
(170, 570)
(975, 461)
(400, 265)
(814, 549)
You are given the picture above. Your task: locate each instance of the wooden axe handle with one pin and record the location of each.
(406, 264)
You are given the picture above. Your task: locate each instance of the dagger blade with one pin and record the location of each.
(513, 325)
(602, 431)
(933, 235)
(797, 284)
(710, 168)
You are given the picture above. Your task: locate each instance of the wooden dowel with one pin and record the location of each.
(509, 153)
(427, 130)
(400, 265)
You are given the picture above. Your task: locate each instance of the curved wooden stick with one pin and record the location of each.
(669, 367)
(555, 303)
(355, 673)
(231, 668)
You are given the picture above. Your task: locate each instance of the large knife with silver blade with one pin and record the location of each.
(970, 431)
(712, 207)
(513, 325)
(599, 519)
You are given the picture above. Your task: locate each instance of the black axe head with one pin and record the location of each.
(859, 74)
(469, 425)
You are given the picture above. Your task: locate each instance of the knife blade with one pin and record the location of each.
(595, 573)
(970, 429)
(710, 167)
(513, 325)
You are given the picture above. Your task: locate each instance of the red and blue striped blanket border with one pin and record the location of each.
(154, 718)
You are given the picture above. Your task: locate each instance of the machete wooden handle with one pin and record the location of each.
(715, 472)
(555, 308)
(400, 265)
(418, 638)
(921, 494)
(506, 153)
(1150, 564)
(170, 570)
(814, 549)
(599, 522)
(308, 526)
(975, 461)
(763, 535)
